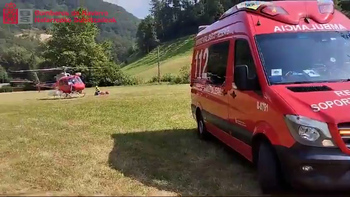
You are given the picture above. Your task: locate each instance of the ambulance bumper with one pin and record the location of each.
(315, 169)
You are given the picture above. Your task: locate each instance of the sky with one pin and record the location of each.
(139, 8)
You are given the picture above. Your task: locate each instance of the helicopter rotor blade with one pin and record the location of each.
(36, 70)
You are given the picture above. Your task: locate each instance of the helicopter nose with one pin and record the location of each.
(78, 87)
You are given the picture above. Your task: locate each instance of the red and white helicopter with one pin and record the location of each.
(66, 85)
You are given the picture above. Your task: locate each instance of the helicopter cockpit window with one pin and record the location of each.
(79, 80)
(73, 80)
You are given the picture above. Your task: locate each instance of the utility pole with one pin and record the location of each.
(158, 66)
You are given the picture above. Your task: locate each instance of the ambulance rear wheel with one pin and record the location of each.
(201, 129)
(269, 171)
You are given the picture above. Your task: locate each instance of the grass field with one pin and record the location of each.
(173, 56)
(136, 141)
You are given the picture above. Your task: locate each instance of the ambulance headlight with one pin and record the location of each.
(309, 132)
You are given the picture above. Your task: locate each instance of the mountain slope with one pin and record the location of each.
(173, 55)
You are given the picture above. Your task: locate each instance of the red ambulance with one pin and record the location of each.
(271, 79)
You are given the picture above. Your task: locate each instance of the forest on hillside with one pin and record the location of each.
(122, 34)
(171, 19)
(108, 44)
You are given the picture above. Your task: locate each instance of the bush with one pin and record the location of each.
(6, 89)
(167, 78)
(126, 80)
(185, 74)
(107, 75)
(153, 79)
(29, 87)
(182, 78)
(177, 80)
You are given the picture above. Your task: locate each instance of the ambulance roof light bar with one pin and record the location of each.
(274, 10)
(325, 6)
(254, 6)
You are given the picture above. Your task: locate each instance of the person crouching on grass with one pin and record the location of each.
(97, 91)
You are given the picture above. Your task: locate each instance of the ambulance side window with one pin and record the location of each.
(243, 56)
(217, 62)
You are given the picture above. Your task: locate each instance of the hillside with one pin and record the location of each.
(122, 33)
(173, 55)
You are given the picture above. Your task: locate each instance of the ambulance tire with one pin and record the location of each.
(202, 132)
(269, 171)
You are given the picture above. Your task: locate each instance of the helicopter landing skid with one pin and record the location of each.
(57, 94)
(75, 95)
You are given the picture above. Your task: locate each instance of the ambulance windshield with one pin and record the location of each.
(307, 57)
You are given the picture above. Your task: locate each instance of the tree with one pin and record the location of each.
(337, 5)
(17, 58)
(175, 18)
(3, 75)
(213, 10)
(146, 35)
(156, 12)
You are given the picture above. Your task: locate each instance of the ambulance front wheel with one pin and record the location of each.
(269, 171)
(201, 129)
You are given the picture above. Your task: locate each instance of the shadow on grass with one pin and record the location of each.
(175, 160)
(57, 98)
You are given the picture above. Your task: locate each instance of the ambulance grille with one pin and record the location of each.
(309, 88)
(344, 131)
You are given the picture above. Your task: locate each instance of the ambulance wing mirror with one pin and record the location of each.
(241, 79)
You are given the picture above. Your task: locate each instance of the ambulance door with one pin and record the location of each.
(215, 109)
(243, 113)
